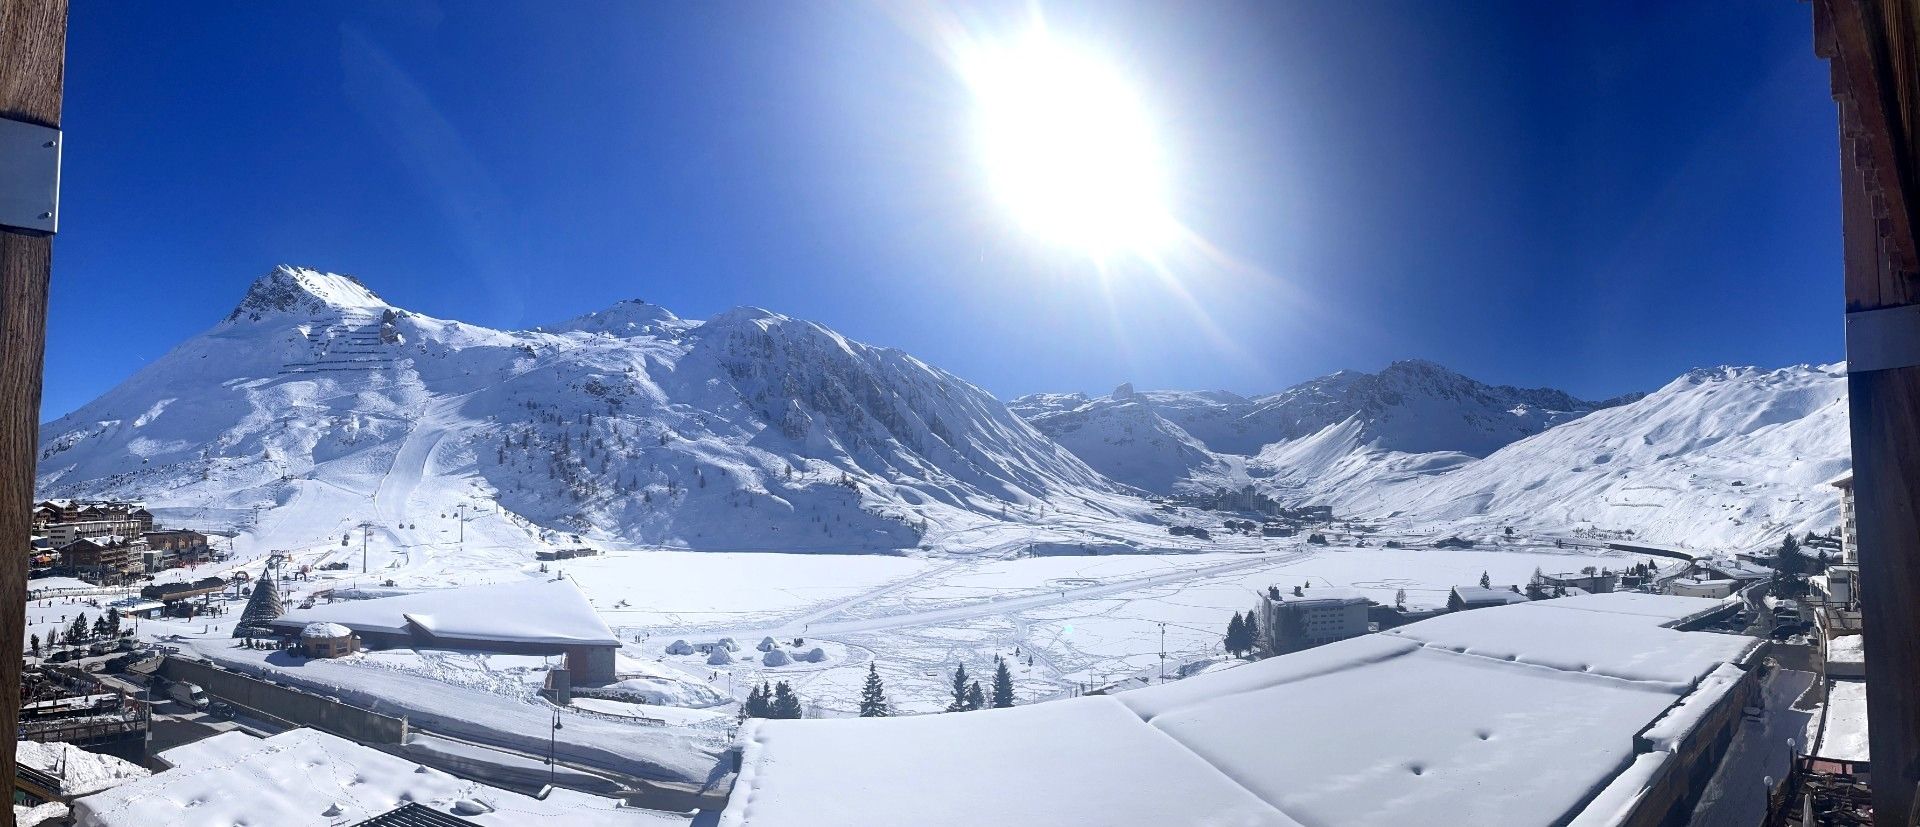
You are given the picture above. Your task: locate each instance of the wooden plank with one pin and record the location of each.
(33, 44)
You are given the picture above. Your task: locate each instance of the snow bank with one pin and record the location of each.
(305, 777)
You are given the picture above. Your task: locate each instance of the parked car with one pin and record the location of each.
(101, 648)
(61, 656)
(126, 644)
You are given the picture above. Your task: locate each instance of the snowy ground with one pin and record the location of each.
(1083, 620)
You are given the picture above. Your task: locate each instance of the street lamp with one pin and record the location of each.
(553, 744)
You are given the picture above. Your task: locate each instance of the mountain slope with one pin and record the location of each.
(1167, 441)
(1727, 457)
(748, 431)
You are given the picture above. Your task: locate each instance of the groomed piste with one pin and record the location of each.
(1524, 714)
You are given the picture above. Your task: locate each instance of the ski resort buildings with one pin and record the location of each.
(547, 617)
(1589, 710)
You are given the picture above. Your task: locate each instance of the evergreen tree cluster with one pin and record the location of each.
(1243, 634)
(775, 701)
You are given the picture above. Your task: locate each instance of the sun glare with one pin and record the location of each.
(1068, 146)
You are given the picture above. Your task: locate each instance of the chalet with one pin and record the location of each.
(107, 557)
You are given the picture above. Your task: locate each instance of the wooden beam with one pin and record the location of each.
(1867, 42)
(33, 46)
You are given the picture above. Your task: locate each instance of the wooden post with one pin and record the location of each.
(33, 45)
(1874, 46)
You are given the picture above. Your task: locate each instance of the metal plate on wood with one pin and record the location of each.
(29, 176)
(1883, 339)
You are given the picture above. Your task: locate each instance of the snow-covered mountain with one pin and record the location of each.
(316, 409)
(1716, 458)
(750, 430)
(1165, 441)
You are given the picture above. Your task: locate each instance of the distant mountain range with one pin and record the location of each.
(753, 430)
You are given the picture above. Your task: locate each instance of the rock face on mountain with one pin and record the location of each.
(750, 430)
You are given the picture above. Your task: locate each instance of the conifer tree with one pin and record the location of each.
(1251, 628)
(975, 698)
(1485, 581)
(1002, 686)
(785, 703)
(33, 645)
(1236, 635)
(959, 691)
(873, 697)
(759, 702)
(78, 631)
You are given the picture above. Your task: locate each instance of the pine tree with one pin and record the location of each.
(1251, 629)
(1002, 686)
(959, 691)
(873, 697)
(33, 644)
(1400, 599)
(1236, 635)
(785, 703)
(1485, 581)
(975, 698)
(757, 702)
(78, 631)
(113, 621)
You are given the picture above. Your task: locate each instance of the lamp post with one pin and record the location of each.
(553, 745)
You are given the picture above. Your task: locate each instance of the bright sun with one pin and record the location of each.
(1069, 147)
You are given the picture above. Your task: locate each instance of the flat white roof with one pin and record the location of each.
(1844, 737)
(306, 777)
(526, 611)
(1517, 714)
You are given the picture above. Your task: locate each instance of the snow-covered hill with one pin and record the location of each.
(748, 431)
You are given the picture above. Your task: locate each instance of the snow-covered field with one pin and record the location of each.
(1065, 624)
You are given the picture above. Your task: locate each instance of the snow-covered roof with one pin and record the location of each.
(525, 611)
(1496, 594)
(1324, 595)
(1844, 736)
(305, 777)
(80, 772)
(325, 630)
(1504, 715)
(1847, 649)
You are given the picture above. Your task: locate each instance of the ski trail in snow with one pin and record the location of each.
(1008, 605)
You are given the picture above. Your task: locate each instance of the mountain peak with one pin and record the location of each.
(303, 290)
(626, 318)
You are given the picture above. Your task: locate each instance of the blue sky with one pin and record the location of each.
(1595, 196)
